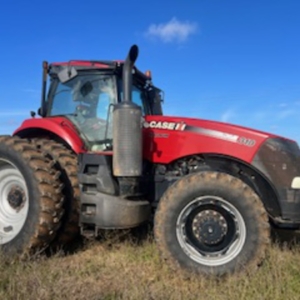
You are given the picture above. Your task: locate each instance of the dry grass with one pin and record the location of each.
(127, 270)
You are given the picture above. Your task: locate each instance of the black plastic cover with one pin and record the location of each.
(279, 160)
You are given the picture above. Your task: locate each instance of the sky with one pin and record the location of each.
(226, 60)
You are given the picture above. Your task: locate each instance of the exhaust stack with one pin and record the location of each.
(127, 131)
(127, 73)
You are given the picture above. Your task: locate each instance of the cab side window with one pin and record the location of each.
(137, 98)
(63, 103)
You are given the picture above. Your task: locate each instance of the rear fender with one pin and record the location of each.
(60, 130)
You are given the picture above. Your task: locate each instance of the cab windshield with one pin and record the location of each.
(87, 101)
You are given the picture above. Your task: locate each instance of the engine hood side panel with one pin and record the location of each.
(169, 138)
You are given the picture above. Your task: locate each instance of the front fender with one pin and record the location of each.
(279, 160)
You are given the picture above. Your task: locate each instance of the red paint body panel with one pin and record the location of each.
(81, 63)
(87, 63)
(62, 127)
(165, 146)
(183, 143)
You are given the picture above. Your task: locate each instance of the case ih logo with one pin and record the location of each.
(164, 125)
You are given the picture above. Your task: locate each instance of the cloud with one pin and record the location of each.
(33, 93)
(283, 104)
(227, 115)
(286, 113)
(260, 115)
(172, 31)
(20, 113)
(11, 120)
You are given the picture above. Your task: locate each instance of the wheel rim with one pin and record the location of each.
(211, 231)
(13, 201)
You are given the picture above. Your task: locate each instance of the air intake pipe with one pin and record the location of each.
(127, 131)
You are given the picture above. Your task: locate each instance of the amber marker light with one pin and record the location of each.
(148, 73)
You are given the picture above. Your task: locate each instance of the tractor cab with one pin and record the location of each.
(86, 92)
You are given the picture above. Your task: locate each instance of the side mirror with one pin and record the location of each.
(39, 111)
(67, 74)
(42, 111)
(157, 95)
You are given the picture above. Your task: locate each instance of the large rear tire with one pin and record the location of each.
(30, 199)
(211, 223)
(66, 163)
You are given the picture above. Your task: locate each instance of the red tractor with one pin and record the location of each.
(103, 156)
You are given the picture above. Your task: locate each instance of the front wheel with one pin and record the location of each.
(211, 223)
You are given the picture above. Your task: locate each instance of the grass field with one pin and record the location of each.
(131, 270)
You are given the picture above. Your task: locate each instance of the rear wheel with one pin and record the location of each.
(66, 163)
(30, 198)
(211, 223)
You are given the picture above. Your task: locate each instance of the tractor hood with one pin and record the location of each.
(169, 138)
(166, 139)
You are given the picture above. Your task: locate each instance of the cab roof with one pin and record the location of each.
(92, 65)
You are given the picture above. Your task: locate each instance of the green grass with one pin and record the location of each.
(127, 270)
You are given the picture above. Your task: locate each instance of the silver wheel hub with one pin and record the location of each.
(13, 202)
(211, 231)
(16, 197)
